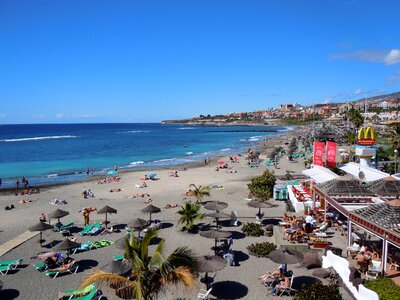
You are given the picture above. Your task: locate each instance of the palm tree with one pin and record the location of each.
(150, 274)
(189, 213)
(200, 191)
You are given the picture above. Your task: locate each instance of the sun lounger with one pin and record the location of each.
(88, 293)
(64, 227)
(84, 247)
(96, 229)
(86, 230)
(118, 257)
(4, 269)
(55, 272)
(12, 263)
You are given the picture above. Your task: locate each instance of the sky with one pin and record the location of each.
(146, 61)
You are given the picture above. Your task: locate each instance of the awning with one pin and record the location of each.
(371, 174)
(320, 174)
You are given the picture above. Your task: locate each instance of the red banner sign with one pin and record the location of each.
(331, 154)
(318, 152)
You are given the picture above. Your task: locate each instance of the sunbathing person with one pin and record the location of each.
(143, 195)
(277, 274)
(189, 193)
(148, 201)
(23, 201)
(115, 190)
(65, 266)
(171, 205)
(108, 230)
(283, 284)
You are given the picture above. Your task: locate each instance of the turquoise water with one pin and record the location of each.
(50, 153)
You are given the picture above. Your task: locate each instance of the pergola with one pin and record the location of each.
(388, 187)
(370, 174)
(381, 220)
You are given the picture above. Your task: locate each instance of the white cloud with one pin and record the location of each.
(328, 100)
(60, 116)
(392, 80)
(87, 116)
(393, 57)
(388, 57)
(358, 91)
(35, 116)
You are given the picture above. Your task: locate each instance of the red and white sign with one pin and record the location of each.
(318, 152)
(331, 154)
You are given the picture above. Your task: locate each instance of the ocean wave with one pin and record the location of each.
(40, 138)
(132, 131)
(189, 153)
(286, 129)
(253, 139)
(135, 163)
(165, 160)
(226, 149)
(185, 128)
(52, 175)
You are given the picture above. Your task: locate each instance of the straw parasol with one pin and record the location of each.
(58, 214)
(210, 263)
(217, 215)
(41, 226)
(120, 243)
(137, 224)
(215, 234)
(107, 210)
(215, 205)
(117, 267)
(259, 205)
(151, 209)
(286, 256)
(66, 244)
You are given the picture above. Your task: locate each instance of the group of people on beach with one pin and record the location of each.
(87, 194)
(109, 180)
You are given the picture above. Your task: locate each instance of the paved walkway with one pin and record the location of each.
(17, 241)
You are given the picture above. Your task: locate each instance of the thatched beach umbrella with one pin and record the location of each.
(217, 215)
(210, 263)
(66, 244)
(259, 205)
(151, 209)
(286, 256)
(117, 267)
(215, 234)
(41, 226)
(58, 214)
(215, 205)
(107, 210)
(137, 224)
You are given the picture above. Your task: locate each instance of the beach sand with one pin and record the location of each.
(28, 283)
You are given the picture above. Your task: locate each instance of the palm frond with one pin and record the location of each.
(101, 277)
(156, 260)
(180, 274)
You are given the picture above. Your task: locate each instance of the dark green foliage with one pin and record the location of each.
(318, 291)
(189, 214)
(262, 186)
(355, 117)
(253, 229)
(261, 249)
(385, 288)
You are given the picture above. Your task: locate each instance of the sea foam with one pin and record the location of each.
(40, 138)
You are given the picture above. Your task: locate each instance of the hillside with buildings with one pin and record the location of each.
(381, 108)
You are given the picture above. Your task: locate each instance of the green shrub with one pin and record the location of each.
(262, 186)
(253, 229)
(318, 291)
(385, 288)
(261, 249)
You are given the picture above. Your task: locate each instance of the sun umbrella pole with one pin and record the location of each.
(106, 220)
(40, 238)
(206, 280)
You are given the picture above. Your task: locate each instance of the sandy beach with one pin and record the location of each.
(28, 283)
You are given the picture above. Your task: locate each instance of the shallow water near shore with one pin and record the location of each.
(54, 153)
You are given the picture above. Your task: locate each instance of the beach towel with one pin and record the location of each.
(101, 244)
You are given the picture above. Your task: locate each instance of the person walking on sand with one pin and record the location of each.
(42, 218)
(86, 214)
(17, 184)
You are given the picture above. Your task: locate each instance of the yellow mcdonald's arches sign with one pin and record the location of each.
(366, 136)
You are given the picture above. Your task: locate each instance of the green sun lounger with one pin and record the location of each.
(13, 263)
(84, 247)
(118, 257)
(89, 293)
(86, 230)
(54, 273)
(64, 227)
(95, 229)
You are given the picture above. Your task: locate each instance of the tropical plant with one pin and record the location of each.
(318, 291)
(150, 274)
(189, 214)
(262, 186)
(355, 117)
(261, 249)
(199, 191)
(385, 288)
(252, 229)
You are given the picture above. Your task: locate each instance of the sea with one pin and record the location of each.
(58, 153)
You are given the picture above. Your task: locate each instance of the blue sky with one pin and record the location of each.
(143, 61)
